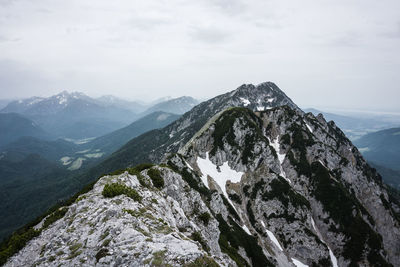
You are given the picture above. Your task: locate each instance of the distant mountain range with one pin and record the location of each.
(78, 116)
(178, 105)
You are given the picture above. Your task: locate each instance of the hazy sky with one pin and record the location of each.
(339, 53)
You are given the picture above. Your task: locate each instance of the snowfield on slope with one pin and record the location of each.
(221, 176)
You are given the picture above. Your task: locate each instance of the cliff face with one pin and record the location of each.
(261, 187)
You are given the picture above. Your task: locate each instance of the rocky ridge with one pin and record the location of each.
(273, 187)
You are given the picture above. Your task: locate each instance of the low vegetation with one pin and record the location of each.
(205, 217)
(116, 189)
(156, 178)
(233, 237)
(348, 213)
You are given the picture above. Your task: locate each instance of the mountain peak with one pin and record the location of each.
(261, 97)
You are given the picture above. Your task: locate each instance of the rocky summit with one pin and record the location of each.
(263, 184)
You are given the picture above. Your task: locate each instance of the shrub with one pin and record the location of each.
(16, 242)
(55, 216)
(156, 178)
(101, 253)
(196, 236)
(205, 217)
(233, 237)
(203, 261)
(115, 189)
(142, 181)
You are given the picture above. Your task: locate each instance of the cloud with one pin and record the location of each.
(158, 47)
(394, 33)
(4, 39)
(210, 35)
(231, 7)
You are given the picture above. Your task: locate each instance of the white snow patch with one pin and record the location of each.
(273, 239)
(331, 255)
(245, 101)
(270, 100)
(281, 157)
(309, 127)
(221, 176)
(298, 263)
(262, 223)
(260, 108)
(171, 135)
(190, 167)
(246, 229)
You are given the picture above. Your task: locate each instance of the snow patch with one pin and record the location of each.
(281, 157)
(221, 176)
(245, 101)
(270, 100)
(273, 239)
(331, 255)
(309, 128)
(320, 161)
(298, 263)
(260, 108)
(190, 167)
(246, 229)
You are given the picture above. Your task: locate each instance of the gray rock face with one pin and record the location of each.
(274, 187)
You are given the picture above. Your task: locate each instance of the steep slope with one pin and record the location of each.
(14, 126)
(270, 188)
(155, 145)
(178, 105)
(382, 147)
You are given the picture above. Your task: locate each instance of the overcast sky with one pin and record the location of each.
(322, 53)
